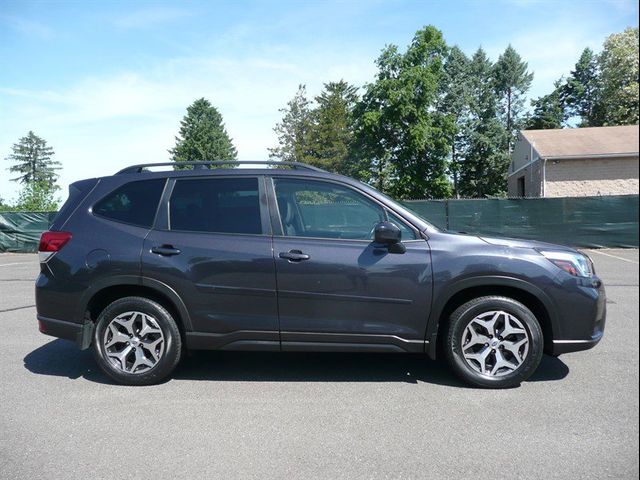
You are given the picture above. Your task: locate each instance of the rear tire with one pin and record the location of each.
(136, 341)
(494, 342)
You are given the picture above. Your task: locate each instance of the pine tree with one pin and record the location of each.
(512, 82)
(581, 92)
(33, 163)
(548, 111)
(331, 131)
(202, 136)
(487, 161)
(294, 131)
(454, 102)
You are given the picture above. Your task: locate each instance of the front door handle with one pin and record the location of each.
(165, 250)
(294, 256)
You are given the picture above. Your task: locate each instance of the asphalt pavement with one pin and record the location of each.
(331, 416)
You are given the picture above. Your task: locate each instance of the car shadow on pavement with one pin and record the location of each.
(63, 359)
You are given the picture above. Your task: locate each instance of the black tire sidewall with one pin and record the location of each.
(172, 348)
(461, 318)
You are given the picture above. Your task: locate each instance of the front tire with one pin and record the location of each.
(494, 342)
(136, 341)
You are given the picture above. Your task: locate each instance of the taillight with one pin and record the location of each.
(52, 242)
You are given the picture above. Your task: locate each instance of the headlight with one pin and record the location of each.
(574, 264)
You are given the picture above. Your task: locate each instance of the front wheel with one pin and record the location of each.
(494, 342)
(136, 341)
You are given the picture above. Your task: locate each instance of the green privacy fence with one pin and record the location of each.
(610, 221)
(20, 231)
(580, 222)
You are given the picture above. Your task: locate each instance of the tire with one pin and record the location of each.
(136, 341)
(478, 352)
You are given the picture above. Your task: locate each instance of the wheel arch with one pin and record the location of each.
(529, 295)
(102, 293)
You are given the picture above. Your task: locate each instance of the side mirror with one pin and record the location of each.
(390, 235)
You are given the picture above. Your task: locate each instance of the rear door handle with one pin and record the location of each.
(294, 256)
(166, 250)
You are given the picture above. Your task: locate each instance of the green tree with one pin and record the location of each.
(294, 131)
(331, 129)
(618, 65)
(454, 102)
(487, 161)
(202, 135)
(37, 196)
(33, 162)
(512, 82)
(402, 134)
(548, 111)
(580, 94)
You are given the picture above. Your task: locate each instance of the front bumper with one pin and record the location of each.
(590, 314)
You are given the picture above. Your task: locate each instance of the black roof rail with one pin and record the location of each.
(198, 165)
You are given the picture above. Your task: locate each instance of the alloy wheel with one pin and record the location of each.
(495, 343)
(133, 342)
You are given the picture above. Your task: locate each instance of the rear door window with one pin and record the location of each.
(134, 202)
(216, 205)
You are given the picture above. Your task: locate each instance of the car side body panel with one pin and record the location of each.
(351, 296)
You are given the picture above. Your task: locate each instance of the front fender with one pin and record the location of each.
(447, 292)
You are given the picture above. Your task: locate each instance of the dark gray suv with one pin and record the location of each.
(144, 265)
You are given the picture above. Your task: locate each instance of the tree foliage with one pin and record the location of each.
(37, 197)
(402, 135)
(454, 102)
(202, 135)
(618, 64)
(548, 111)
(580, 95)
(332, 128)
(32, 161)
(487, 161)
(512, 81)
(433, 117)
(294, 131)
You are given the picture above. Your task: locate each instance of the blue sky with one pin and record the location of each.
(106, 83)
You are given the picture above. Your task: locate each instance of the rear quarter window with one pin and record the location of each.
(134, 202)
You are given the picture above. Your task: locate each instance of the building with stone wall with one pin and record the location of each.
(575, 162)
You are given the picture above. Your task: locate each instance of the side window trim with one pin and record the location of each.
(276, 221)
(162, 217)
(164, 214)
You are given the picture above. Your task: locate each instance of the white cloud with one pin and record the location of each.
(101, 124)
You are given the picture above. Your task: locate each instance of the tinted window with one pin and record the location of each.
(217, 205)
(325, 210)
(134, 202)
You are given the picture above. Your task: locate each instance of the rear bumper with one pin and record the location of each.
(80, 333)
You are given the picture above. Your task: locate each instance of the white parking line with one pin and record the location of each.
(613, 256)
(17, 263)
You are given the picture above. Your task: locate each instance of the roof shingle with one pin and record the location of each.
(570, 142)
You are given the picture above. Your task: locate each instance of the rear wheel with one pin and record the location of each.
(136, 341)
(494, 342)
